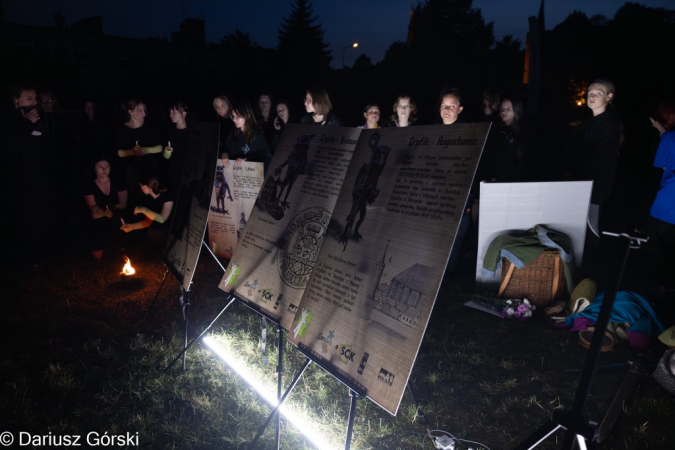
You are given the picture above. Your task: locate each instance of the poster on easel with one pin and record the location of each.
(274, 258)
(378, 272)
(235, 190)
(191, 207)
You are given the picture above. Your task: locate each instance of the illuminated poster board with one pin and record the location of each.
(379, 269)
(275, 256)
(234, 192)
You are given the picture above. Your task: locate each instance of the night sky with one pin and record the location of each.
(375, 24)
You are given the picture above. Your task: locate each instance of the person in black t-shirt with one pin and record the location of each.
(106, 197)
(158, 204)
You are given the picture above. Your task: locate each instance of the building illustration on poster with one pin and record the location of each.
(402, 300)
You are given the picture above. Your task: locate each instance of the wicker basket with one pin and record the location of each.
(662, 373)
(541, 282)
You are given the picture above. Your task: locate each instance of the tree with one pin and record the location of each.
(301, 45)
(238, 40)
(451, 42)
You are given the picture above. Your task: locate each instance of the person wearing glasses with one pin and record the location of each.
(319, 109)
(405, 112)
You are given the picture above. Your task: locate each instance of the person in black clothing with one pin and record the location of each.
(592, 151)
(177, 145)
(91, 137)
(29, 181)
(490, 106)
(282, 119)
(106, 197)
(505, 159)
(246, 143)
(265, 117)
(137, 143)
(319, 109)
(157, 205)
(223, 107)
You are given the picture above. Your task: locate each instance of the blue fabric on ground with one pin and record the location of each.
(629, 307)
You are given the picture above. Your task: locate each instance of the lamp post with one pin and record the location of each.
(354, 45)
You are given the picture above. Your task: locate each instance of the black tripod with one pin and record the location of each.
(580, 429)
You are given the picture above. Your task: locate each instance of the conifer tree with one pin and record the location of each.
(301, 44)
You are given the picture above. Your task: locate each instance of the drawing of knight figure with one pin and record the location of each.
(365, 189)
(222, 190)
(297, 163)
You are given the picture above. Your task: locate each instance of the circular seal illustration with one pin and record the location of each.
(300, 245)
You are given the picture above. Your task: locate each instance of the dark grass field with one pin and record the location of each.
(80, 353)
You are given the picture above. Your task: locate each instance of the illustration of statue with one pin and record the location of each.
(365, 189)
(297, 163)
(222, 189)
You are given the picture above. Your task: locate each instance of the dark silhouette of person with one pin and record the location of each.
(365, 189)
(297, 163)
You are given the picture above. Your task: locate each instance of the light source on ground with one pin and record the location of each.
(128, 270)
(308, 429)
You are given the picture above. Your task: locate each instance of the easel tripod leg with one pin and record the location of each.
(166, 273)
(350, 423)
(203, 332)
(420, 415)
(275, 411)
(280, 371)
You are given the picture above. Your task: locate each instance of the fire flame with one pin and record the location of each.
(127, 269)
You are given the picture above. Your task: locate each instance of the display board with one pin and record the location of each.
(191, 208)
(234, 193)
(375, 280)
(508, 207)
(275, 256)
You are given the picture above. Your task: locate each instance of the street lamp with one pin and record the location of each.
(354, 45)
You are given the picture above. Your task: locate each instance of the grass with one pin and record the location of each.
(81, 354)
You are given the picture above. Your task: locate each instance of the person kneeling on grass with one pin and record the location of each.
(158, 203)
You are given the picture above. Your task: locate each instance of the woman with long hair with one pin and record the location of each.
(222, 105)
(106, 197)
(265, 117)
(246, 142)
(506, 153)
(319, 108)
(405, 112)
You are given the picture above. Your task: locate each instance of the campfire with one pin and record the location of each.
(128, 270)
(128, 276)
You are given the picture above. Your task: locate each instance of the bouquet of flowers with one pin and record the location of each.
(513, 308)
(517, 309)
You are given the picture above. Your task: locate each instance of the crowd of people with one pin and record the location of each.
(126, 172)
